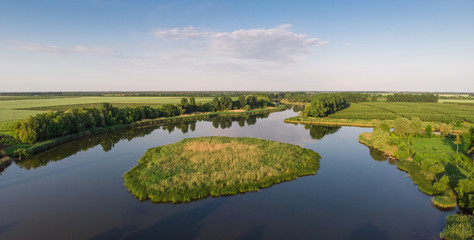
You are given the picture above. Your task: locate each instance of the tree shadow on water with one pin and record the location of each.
(184, 225)
(6, 227)
(254, 233)
(368, 231)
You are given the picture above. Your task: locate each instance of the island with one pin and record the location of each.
(195, 168)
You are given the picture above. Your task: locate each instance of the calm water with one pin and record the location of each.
(76, 191)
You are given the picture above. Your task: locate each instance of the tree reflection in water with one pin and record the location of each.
(108, 140)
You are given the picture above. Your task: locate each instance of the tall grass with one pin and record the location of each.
(458, 227)
(198, 167)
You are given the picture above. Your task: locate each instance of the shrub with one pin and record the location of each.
(22, 153)
(442, 184)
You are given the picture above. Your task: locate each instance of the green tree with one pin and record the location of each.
(402, 126)
(428, 130)
(385, 127)
(416, 126)
(442, 184)
(22, 153)
(457, 142)
(216, 104)
(242, 100)
(445, 129)
(379, 138)
(394, 140)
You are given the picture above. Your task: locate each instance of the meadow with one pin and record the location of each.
(198, 167)
(467, 101)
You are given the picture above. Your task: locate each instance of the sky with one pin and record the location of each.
(258, 45)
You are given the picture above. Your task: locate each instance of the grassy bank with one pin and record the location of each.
(437, 169)
(198, 167)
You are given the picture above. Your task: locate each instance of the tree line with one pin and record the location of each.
(55, 124)
(324, 104)
(405, 97)
(243, 102)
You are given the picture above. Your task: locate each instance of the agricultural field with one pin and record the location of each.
(467, 101)
(433, 112)
(21, 107)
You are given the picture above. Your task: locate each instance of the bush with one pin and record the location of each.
(394, 140)
(22, 153)
(442, 184)
(403, 151)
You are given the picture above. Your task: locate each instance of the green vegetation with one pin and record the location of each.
(54, 124)
(324, 104)
(458, 227)
(465, 101)
(438, 165)
(371, 114)
(404, 97)
(217, 118)
(198, 167)
(21, 107)
(432, 112)
(444, 201)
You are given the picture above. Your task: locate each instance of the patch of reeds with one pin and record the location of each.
(198, 167)
(443, 201)
(458, 226)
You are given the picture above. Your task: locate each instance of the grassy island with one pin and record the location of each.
(198, 167)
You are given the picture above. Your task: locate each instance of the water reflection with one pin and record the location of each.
(319, 131)
(108, 140)
(298, 108)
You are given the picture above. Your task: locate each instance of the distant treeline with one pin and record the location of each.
(54, 124)
(307, 97)
(403, 97)
(325, 104)
(145, 94)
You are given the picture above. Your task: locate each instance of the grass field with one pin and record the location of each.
(21, 107)
(469, 101)
(436, 112)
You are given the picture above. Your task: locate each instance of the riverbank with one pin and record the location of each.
(362, 123)
(438, 170)
(36, 148)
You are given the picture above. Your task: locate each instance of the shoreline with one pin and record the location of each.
(54, 142)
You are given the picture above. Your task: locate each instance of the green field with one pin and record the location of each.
(435, 112)
(469, 101)
(21, 107)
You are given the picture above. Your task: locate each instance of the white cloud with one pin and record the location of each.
(36, 47)
(181, 33)
(274, 44)
(40, 48)
(94, 50)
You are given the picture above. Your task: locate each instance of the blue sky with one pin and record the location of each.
(96, 45)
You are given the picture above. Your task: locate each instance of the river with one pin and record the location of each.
(76, 191)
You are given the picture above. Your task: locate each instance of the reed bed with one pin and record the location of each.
(198, 167)
(458, 227)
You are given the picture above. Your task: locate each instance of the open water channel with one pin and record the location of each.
(76, 191)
